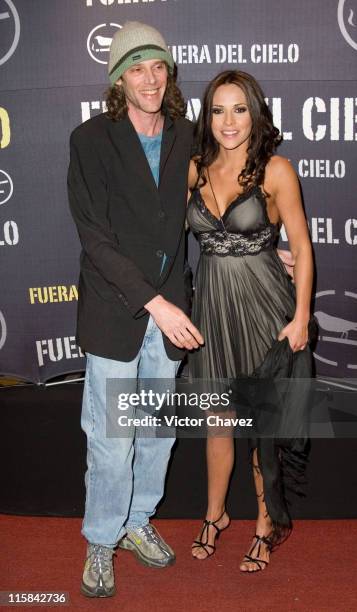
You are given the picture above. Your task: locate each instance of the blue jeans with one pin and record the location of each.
(125, 475)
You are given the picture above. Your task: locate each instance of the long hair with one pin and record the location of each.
(173, 103)
(264, 137)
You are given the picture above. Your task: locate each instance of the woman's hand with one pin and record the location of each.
(297, 334)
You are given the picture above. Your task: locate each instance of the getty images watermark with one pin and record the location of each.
(154, 401)
(162, 407)
(246, 407)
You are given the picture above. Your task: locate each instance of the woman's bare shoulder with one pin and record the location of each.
(279, 171)
(278, 166)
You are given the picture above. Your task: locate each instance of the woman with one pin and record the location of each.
(240, 193)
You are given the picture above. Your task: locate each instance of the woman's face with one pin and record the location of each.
(231, 120)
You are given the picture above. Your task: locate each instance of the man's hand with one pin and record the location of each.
(174, 323)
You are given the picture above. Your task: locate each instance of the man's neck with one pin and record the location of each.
(149, 124)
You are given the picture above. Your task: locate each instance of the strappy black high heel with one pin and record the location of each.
(261, 563)
(204, 534)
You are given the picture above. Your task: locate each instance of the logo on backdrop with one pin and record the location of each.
(6, 187)
(9, 30)
(3, 330)
(331, 119)
(99, 41)
(53, 294)
(57, 349)
(347, 20)
(236, 53)
(336, 315)
(5, 128)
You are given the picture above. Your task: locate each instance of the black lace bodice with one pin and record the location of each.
(244, 229)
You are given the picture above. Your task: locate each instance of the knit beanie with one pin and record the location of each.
(134, 43)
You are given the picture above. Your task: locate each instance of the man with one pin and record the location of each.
(127, 190)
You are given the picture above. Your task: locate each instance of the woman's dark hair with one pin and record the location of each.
(173, 103)
(264, 137)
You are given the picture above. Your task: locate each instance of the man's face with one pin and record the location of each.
(145, 85)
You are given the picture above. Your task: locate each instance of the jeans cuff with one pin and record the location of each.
(136, 526)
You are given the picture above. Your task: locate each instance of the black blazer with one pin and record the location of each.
(125, 224)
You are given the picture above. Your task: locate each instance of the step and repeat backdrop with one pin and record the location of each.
(53, 75)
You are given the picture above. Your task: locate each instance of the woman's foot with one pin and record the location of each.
(204, 546)
(258, 556)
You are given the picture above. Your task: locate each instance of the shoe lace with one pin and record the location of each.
(101, 558)
(150, 534)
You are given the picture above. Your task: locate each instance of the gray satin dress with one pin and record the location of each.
(243, 296)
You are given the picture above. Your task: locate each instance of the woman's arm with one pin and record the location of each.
(288, 261)
(192, 178)
(285, 190)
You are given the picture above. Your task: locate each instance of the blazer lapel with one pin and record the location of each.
(168, 139)
(126, 141)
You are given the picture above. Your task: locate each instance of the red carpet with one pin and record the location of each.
(314, 571)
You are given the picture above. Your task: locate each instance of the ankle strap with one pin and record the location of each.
(216, 521)
(265, 540)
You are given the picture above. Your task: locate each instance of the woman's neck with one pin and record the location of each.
(231, 159)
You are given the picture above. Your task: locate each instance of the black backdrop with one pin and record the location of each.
(53, 56)
(42, 454)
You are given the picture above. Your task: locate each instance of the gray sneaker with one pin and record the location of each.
(148, 546)
(98, 575)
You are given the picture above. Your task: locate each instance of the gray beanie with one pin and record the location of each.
(134, 43)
